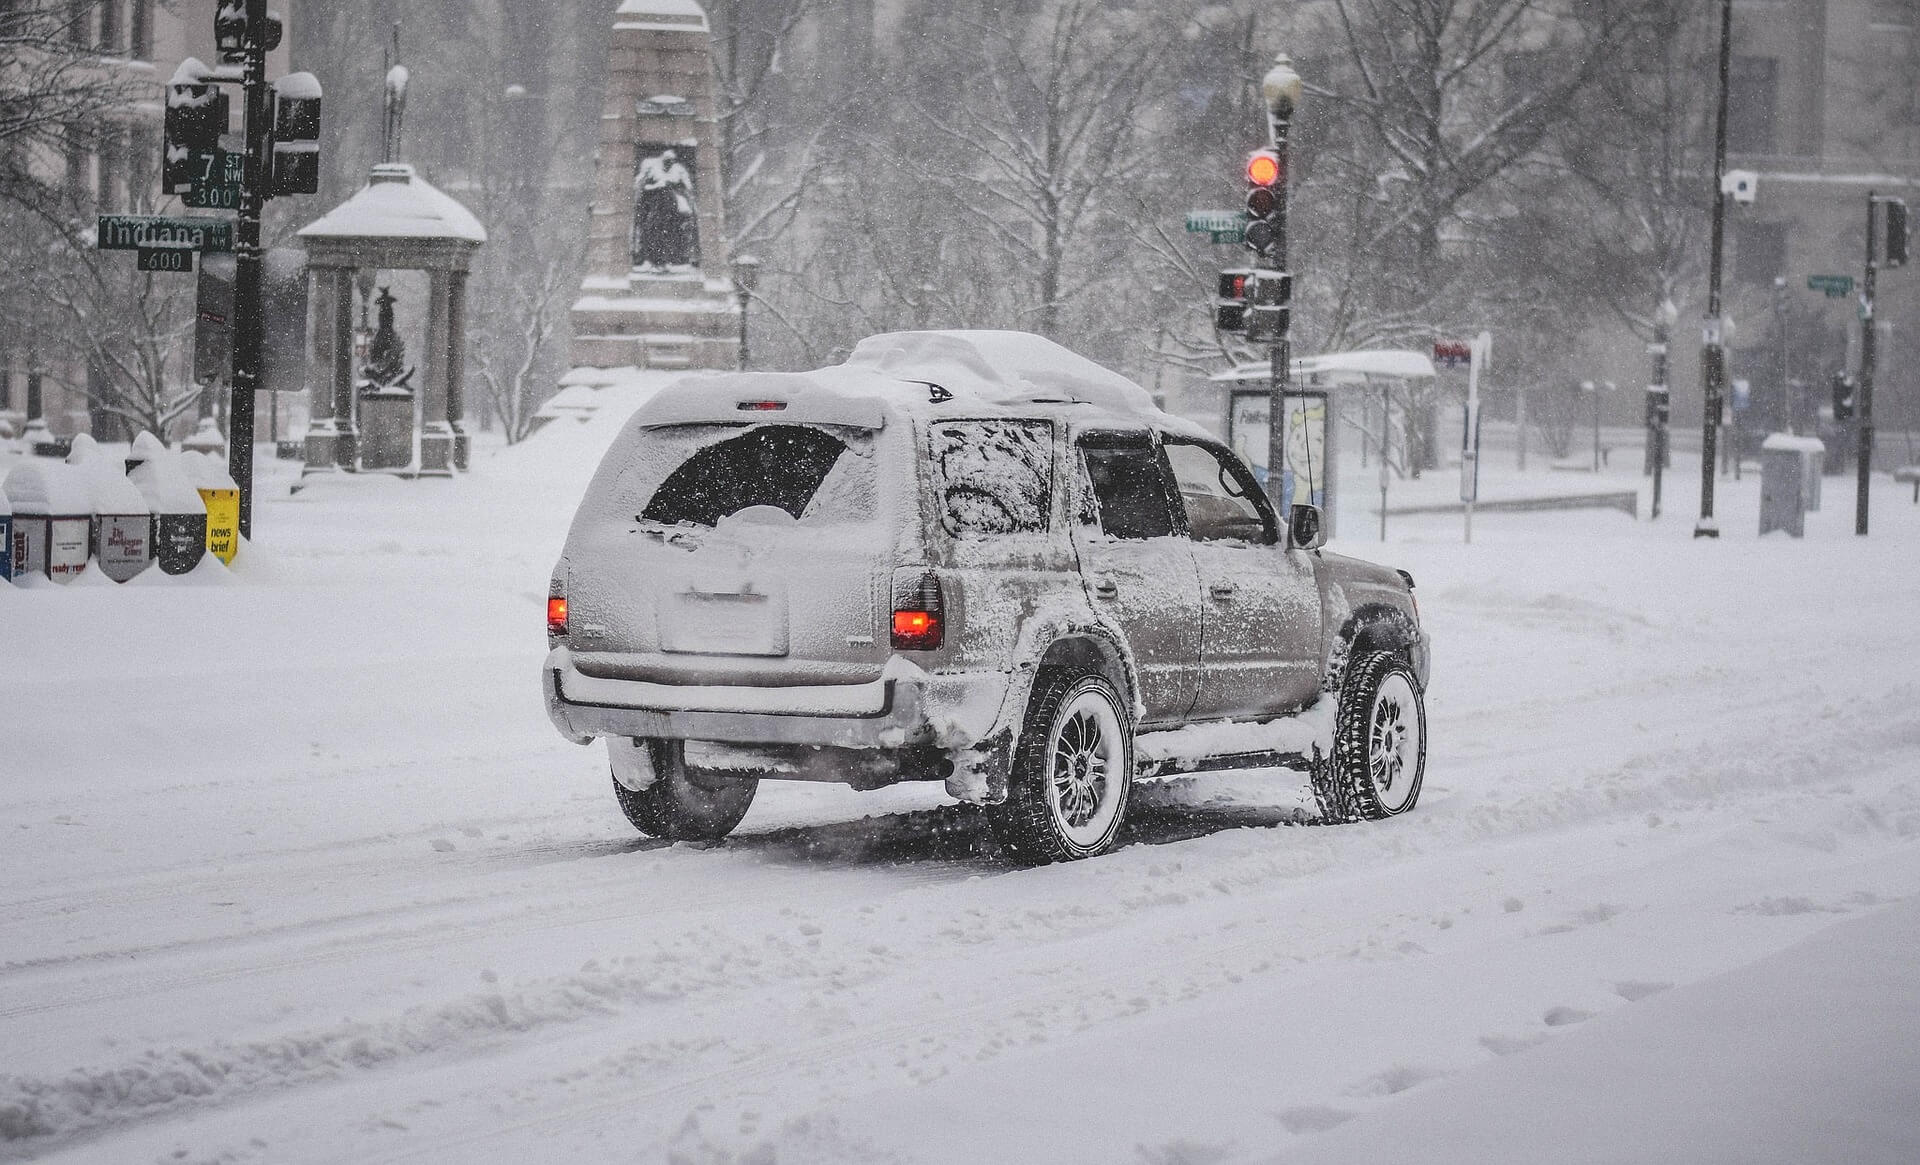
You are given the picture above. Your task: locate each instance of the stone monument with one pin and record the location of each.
(657, 292)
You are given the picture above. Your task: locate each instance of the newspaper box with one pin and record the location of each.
(52, 518)
(1789, 482)
(122, 535)
(179, 516)
(6, 538)
(222, 498)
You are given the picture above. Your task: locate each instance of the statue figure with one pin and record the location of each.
(387, 356)
(666, 228)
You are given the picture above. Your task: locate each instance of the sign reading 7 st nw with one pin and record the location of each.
(130, 232)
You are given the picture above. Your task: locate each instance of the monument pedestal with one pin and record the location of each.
(658, 292)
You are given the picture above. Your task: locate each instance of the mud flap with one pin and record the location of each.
(980, 770)
(632, 761)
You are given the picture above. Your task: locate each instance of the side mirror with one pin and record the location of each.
(1305, 528)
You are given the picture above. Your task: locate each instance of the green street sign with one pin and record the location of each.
(130, 232)
(1233, 236)
(216, 182)
(166, 258)
(1217, 223)
(1835, 286)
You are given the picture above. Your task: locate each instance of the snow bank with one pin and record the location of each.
(49, 488)
(112, 492)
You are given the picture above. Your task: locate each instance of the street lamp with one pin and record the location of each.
(746, 273)
(1713, 351)
(1281, 88)
(1659, 399)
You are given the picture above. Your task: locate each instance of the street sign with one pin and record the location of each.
(1216, 221)
(216, 182)
(130, 232)
(1835, 286)
(1452, 353)
(166, 258)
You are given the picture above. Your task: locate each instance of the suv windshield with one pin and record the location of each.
(783, 466)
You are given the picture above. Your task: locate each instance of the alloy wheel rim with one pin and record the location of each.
(1084, 781)
(1393, 743)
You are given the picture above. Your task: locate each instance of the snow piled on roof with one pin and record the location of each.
(920, 372)
(396, 203)
(1793, 444)
(651, 13)
(1343, 366)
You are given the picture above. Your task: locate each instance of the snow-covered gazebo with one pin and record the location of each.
(397, 221)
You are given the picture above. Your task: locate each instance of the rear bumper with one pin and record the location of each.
(890, 712)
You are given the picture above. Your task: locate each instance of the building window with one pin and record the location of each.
(141, 33)
(80, 23)
(112, 31)
(1760, 252)
(1752, 92)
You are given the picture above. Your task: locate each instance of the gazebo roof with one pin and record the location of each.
(397, 204)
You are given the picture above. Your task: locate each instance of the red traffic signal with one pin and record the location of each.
(1264, 168)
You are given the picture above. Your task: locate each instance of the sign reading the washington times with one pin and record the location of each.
(130, 232)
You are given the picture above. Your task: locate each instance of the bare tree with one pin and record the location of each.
(512, 364)
(52, 83)
(130, 331)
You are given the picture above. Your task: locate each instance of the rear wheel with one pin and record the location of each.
(681, 804)
(1379, 743)
(1071, 774)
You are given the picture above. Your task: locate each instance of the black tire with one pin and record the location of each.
(1066, 734)
(1379, 734)
(682, 805)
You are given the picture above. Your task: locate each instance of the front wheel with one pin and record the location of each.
(1071, 772)
(1379, 743)
(682, 804)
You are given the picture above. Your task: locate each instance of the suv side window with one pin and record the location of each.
(1222, 500)
(1129, 486)
(993, 477)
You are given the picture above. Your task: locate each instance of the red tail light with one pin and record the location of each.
(761, 406)
(556, 615)
(918, 610)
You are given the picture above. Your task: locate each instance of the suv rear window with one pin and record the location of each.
(993, 477)
(773, 465)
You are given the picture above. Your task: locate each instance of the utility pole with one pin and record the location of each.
(1863, 408)
(1659, 398)
(1713, 352)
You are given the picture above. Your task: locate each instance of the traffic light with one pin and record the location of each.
(1266, 177)
(1844, 386)
(1230, 305)
(196, 117)
(296, 135)
(230, 32)
(1272, 309)
(1659, 406)
(1896, 232)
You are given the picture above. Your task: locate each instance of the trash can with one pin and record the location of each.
(1789, 482)
(52, 519)
(179, 516)
(122, 532)
(222, 499)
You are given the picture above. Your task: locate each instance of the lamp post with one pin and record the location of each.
(1659, 399)
(1281, 88)
(1713, 352)
(746, 273)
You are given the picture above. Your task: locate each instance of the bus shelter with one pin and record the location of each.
(1319, 389)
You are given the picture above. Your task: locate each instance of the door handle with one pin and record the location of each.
(1223, 590)
(1105, 589)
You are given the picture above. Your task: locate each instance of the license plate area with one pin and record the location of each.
(708, 623)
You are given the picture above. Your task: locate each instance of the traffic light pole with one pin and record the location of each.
(1713, 353)
(1280, 353)
(1863, 409)
(248, 320)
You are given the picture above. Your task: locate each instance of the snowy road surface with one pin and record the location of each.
(296, 871)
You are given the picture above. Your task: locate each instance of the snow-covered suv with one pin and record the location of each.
(972, 557)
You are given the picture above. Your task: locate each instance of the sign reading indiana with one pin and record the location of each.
(130, 232)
